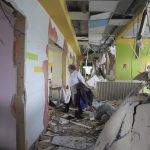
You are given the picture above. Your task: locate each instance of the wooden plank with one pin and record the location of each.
(20, 123)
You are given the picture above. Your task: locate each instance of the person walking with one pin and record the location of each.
(79, 89)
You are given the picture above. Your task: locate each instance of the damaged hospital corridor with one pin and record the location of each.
(74, 74)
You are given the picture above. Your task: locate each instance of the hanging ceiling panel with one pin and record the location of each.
(118, 22)
(98, 30)
(95, 38)
(105, 15)
(102, 6)
(79, 16)
(98, 23)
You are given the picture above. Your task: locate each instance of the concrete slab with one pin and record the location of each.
(111, 128)
(128, 128)
(79, 143)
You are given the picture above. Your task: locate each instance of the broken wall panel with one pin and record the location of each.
(105, 6)
(128, 128)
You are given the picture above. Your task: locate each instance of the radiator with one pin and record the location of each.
(115, 90)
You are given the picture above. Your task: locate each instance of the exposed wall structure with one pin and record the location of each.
(7, 83)
(127, 66)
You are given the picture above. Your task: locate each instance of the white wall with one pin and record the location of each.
(36, 40)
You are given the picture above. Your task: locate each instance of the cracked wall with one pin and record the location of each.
(128, 128)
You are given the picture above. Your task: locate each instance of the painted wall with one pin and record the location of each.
(7, 84)
(39, 29)
(127, 67)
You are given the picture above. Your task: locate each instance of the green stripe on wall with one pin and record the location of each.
(31, 56)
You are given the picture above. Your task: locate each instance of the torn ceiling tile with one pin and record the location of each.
(103, 6)
(96, 30)
(105, 15)
(79, 16)
(95, 39)
(98, 23)
(118, 22)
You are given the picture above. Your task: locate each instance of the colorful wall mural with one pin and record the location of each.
(7, 83)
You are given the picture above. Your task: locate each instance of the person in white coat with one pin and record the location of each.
(78, 88)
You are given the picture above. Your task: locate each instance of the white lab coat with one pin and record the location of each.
(66, 95)
(75, 78)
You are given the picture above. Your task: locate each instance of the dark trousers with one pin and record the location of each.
(77, 101)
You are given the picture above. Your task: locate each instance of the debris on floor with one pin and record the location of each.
(65, 132)
(73, 142)
(104, 112)
(130, 130)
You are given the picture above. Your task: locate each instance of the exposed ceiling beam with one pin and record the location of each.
(79, 15)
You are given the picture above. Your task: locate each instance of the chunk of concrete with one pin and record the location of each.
(103, 112)
(128, 128)
(63, 121)
(79, 143)
(111, 128)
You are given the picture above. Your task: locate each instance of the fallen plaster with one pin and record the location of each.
(79, 143)
(72, 133)
(128, 128)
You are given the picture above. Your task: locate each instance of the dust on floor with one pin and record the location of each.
(65, 132)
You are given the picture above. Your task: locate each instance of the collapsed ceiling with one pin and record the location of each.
(97, 22)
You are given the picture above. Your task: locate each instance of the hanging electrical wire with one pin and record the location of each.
(134, 45)
(9, 21)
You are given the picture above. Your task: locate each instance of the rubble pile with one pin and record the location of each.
(65, 132)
